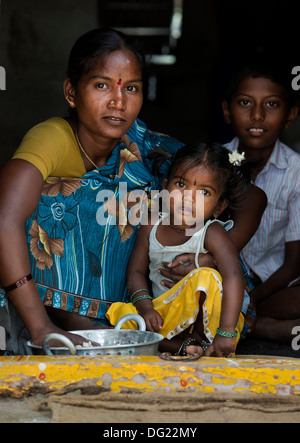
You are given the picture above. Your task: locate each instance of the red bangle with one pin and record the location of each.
(18, 284)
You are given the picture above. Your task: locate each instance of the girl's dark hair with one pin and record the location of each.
(269, 66)
(95, 44)
(214, 157)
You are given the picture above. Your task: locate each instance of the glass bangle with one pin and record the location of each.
(227, 334)
(138, 291)
(142, 297)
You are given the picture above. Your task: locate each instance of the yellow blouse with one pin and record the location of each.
(51, 146)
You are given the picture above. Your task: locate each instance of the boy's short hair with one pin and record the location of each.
(258, 65)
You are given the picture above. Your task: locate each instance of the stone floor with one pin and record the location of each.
(19, 411)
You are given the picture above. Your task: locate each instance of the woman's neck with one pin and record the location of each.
(95, 150)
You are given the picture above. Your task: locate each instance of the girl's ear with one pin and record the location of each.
(292, 116)
(222, 205)
(226, 112)
(165, 183)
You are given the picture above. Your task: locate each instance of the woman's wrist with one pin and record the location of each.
(39, 333)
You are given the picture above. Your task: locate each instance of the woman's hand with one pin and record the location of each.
(77, 340)
(181, 266)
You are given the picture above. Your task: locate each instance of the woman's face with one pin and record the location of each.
(108, 97)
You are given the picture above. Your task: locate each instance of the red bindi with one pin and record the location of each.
(119, 82)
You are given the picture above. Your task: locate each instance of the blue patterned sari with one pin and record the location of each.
(82, 232)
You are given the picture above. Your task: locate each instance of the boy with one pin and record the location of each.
(259, 104)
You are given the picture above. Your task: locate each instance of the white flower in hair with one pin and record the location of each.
(236, 158)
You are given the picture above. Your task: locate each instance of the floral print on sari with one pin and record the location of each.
(79, 242)
(42, 247)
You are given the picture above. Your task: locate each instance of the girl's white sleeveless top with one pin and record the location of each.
(159, 253)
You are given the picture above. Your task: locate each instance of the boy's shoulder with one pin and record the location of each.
(288, 159)
(287, 166)
(290, 153)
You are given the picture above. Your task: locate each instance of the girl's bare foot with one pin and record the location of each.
(193, 349)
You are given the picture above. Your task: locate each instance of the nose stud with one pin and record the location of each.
(112, 102)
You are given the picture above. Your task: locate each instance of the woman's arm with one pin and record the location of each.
(138, 265)
(137, 279)
(21, 186)
(247, 214)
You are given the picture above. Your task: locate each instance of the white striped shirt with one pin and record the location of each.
(280, 224)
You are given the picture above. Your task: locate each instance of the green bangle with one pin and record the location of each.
(139, 290)
(227, 334)
(142, 297)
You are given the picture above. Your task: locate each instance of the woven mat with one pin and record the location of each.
(110, 407)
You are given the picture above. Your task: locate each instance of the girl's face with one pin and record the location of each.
(258, 113)
(198, 195)
(108, 98)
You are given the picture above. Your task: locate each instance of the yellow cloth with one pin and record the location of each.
(179, 306)
(51, 146)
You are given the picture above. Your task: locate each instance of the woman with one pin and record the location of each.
(74, 246)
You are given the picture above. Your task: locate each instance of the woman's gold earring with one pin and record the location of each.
(70, 101)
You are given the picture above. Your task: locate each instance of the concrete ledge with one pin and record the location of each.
(28, 375)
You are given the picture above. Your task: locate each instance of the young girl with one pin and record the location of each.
(199, 299)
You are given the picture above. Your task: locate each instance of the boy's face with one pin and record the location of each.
(258, 112)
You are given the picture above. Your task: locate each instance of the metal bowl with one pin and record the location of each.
(115, 341)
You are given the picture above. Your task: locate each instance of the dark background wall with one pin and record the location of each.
(37, 35)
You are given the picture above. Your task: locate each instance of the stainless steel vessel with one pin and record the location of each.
(115, 341)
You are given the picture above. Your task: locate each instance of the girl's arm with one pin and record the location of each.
(137, 279)
(21, 186)
(220, 245)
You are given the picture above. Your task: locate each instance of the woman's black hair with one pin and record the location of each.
(95, 44)
(212, 156)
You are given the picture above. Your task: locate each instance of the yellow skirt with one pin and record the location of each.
(179, 306)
